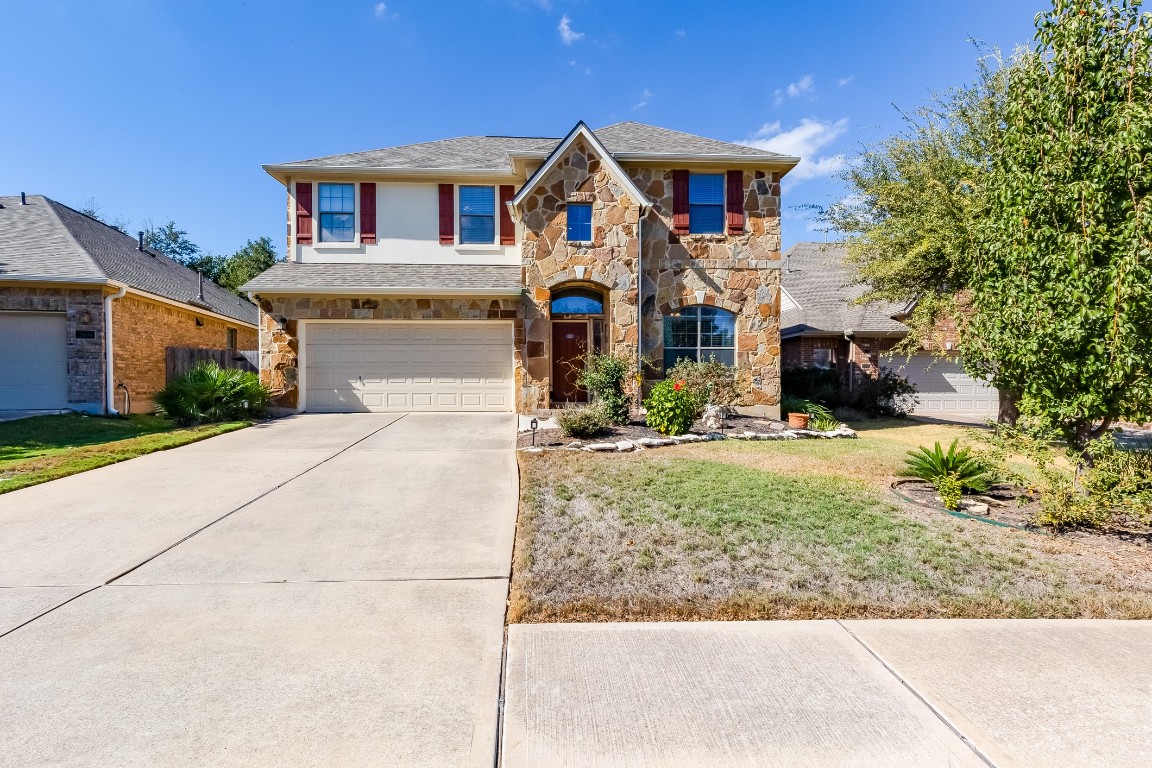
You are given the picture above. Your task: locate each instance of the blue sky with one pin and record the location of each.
(166, 110)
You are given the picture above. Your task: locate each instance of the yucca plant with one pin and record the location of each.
(209, 393)
(936, 465)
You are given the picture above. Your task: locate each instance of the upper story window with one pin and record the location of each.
(337, 213)
(579, 222)
(477, 215)
(706, 203)
(700, 333)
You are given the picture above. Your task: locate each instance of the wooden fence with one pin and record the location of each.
(180, 359)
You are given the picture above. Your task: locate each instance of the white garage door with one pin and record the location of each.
(422, 366)
(33, 361)
(944, 388)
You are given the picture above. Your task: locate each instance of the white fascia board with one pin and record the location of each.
(681, 157)
(283, 172)
(377, 290)
(606, 158)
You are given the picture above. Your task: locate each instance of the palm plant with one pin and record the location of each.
(209, 393)
(936, 464)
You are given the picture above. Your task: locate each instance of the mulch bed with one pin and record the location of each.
(1016, 507)
(554, 438)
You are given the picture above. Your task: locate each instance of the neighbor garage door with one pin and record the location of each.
(33, 361)
(944, 388)
(422, 366)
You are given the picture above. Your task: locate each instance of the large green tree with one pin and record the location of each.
(255, 257)
(914, 200)
(1062, 283)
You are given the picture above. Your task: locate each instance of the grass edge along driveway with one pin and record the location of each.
(43, 448)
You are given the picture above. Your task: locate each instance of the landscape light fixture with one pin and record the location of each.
(534, 425)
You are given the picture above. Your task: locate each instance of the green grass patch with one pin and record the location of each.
(44, 448)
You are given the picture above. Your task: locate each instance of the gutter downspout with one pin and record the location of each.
(640, 307)
(109, 380)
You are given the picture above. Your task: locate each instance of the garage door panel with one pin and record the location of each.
(943, 387)
(34, 357)
(409, 366)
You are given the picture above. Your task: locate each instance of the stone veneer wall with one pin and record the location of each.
(142, 331)
(739, 273)
(279, 347)
(84, 311)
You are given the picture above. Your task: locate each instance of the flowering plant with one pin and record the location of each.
(671, 409)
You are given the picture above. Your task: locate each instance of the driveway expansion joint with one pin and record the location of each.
(251, 501)
(919, 696)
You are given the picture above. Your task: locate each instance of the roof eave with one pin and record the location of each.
(282, 172)
(765, 161)
(52, 279)
(379, 290)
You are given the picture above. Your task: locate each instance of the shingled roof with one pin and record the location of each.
(817, 279)
(495, 152)
(427, 279)
(49, 241)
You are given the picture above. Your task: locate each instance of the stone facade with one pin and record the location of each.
(142, 330)
(739, 273)
(279, 342)
(84, 314)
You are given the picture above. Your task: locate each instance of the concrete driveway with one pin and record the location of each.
(320, 590)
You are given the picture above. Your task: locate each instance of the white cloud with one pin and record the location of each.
(567, 34)
(845, 80)
(380, 9)
(645, 99)
(681, 34)
(804, 141)
(792, 90)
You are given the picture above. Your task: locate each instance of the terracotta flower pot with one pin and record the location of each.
(798, 420)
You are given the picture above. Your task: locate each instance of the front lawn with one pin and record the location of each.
(799, 529)
(44, 448)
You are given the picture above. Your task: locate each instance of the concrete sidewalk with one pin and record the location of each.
(827, 694)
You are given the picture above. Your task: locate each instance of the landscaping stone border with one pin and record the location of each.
(644, 443)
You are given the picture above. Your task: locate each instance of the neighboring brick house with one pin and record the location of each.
(63, 275)
(822, 326)
(475, 273)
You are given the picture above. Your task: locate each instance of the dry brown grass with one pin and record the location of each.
(791, 530)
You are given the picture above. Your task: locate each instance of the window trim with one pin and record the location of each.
(698, 349)
(722, 205)
(494, 243)
(318, 216)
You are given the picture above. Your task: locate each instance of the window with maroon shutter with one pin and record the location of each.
(304, 212)
(735, 200)
(447, 215)
(680, 202)
(507, 228)
(368, 212)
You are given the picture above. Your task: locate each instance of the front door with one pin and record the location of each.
(569, 348)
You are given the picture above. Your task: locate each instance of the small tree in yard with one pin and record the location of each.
(1062, 281)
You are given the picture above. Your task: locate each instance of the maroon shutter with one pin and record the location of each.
(735, 199)
(304, 212)
(680, 202)
(447, 215)
(368, 212)
(507, 228)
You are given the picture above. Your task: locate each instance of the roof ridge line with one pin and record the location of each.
(72, 236)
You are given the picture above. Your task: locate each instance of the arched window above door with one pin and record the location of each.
(577, 301)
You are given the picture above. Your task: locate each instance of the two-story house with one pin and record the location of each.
(475, 273)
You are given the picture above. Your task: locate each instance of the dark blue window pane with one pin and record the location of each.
(579, 222)
(705, 219)
(577, 305)
(477, 229)
(477, 200)
(337, 228)
(700, 333)
(706, 188)
(337, 198)
(477, 214)
(673, 356)
(717, 327)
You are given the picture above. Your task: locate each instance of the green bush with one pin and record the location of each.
(961, 466)
(671, 409)
(951, 491)
(708, 382)
(604, 377)
(824, 423)
(208, 393)
(889, 394)
(582, 422)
